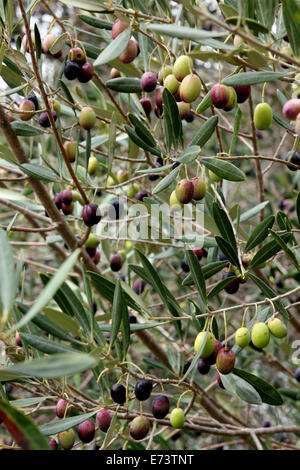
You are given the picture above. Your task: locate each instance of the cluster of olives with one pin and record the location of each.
(199, 252)
(188, 190)
(132, 49)
(76, 66)
(260, 335)
(213, 353)
(226, 98)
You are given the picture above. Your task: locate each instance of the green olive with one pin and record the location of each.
(177, 418)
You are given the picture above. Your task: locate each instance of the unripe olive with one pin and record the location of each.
(164, 72)
(130, 53)
(25, 43)
(291, 109)
(190, 88)
(177, 418)
(77, 55)
(66, 439)
(232, 100)
(184, 191)
(174, 201)
(296, 86)
(26, 110)
(122, 176)
(110, 181)
(220, 95)
(160, 406)
(70, 148)
(118, 28)
(55, 105)
(237, 41)
(263, 116)
(47, 42)
(92, 241)
(61, 407)
(199, 188)
(183, 66)
(260, 335)
(115, 73)
(277, 328)
(86, 431)
(225, 361)
(242, 337)
(139, 427)
(103, 420)
(209, 345)
(242, 92)
(213, 177)
(171, 83)
(183, 108)
(297, 126)
(87, 118)
(93, 165)
(148, 81)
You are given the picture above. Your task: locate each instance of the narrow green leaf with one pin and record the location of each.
(252, 78)
(205, 132)
(270, 294)
(204, 104)
(221, 286)
(22, 428)
(285, 248)
(228, 251)
(172, 120)
(166, 181)
(291, 16)
(224, 225)
(260, 233)
(125, 85)
(267, 393)
(8, 284)
(114, 48)
(190, 154)
(198, 278)
(96, 22)
(223, 169)
(45, 345)
(142, 131)
(183, 32)
(241, 388)
(267, 251)
(38, 172)
(50, 367)
(60, 425)
(208, 271)
(46, 295)
(116, 314)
